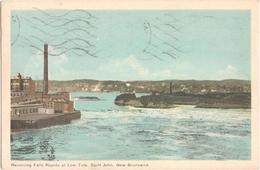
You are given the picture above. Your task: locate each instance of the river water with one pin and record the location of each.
(106, 132)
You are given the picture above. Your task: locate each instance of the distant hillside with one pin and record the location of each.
(162, 86)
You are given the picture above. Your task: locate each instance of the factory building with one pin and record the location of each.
(25, 100)
(22, 109)
(22, 86)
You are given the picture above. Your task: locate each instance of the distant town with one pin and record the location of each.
(187, 86)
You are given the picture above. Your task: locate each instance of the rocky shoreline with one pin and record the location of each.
(212, 100)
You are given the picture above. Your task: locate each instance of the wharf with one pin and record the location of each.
(41, 120)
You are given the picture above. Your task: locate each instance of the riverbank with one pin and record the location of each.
(211, 100)
(38, 120)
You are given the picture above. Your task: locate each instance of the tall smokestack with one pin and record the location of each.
(45, 70)
(170, 87)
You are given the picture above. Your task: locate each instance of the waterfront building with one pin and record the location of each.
(29, 101)
(25, 99)
(58, 105)
(38, 109)
(21, 86)
(22, 109)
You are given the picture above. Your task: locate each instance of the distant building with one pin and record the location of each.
(203, 91)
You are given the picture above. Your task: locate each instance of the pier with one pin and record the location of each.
(42, 120)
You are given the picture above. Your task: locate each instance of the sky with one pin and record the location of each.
(132, 45)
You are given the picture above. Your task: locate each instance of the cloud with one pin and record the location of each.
(56, 67)
(134, 64)
(230, 72)
(34, 66)
(130, 68)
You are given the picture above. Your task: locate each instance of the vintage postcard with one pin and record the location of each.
(130, 84)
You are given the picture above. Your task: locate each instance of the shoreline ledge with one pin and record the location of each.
(164, 101)
(38, 120)
(87, 98)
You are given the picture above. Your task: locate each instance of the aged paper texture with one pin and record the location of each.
(126, 84)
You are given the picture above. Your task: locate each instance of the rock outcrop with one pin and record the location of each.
(212, 100)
